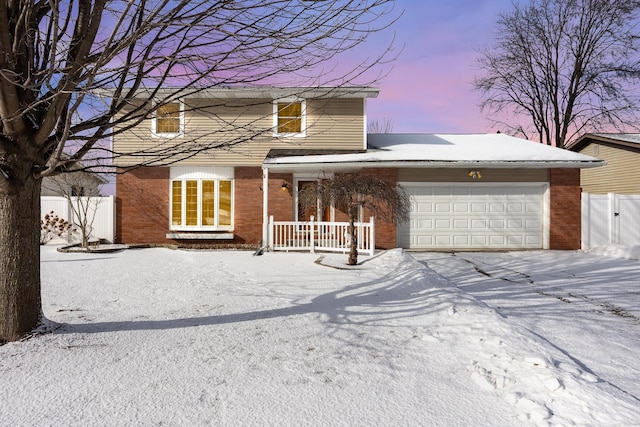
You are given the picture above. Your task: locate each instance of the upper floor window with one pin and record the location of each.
(168, 120)
(289, 118)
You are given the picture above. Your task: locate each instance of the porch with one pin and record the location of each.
(322, 236)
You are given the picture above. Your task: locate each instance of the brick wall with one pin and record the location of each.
(248, 202)
(281, 202)
(142, 206)
(564, 218)
(385, 231)
(248, 205)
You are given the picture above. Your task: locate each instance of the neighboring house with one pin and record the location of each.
(74, 184)
(469, 191)
(621, 152)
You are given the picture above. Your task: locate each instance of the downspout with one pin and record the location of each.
(265, 206)
(364, 125)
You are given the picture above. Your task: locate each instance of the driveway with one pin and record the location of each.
(587, 306)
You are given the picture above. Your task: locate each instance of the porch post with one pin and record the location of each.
(265, 206)
(372, 240)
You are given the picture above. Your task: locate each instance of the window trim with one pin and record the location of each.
(303, 118)
(200, 226)
(154, 123)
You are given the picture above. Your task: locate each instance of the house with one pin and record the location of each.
(621, 152)
(469, 191)
(611, 198)
(73, 184)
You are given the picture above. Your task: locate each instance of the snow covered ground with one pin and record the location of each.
(161, 337)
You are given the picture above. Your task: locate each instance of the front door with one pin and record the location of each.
(319, 212)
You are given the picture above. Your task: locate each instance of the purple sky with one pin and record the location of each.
(429, 88)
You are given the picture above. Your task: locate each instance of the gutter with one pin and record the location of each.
(435, 164)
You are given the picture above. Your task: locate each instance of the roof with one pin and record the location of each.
(445, 150)
(623, 139)
(79, 167)
(292, 152)
(98, 177)
(254, 92)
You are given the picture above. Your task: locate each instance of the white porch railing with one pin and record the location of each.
(320, 236)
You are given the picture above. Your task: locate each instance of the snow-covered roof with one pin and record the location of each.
(626, 139)
(446, 150)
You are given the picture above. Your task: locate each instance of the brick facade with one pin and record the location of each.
(385, 231)
(248, 202)
(564, 215)
(142, 207)
(247, 208)
(281, 202)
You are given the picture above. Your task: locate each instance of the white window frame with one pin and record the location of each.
(180, 133)
(216, 174)
(303, 122)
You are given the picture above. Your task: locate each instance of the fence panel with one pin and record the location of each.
(103, 226)
(629, 219)
(610, 219)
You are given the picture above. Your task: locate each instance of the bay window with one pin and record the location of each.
(201, 199)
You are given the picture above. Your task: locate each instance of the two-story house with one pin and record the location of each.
(245, 152)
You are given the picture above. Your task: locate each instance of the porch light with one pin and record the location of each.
(475, 175)
(284, 187)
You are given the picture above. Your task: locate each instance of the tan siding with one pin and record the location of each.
(619, 175)
(331, 124)
(462, 175)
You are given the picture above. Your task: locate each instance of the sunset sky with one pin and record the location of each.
(429, 88)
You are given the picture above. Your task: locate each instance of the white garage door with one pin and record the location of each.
(477, 216)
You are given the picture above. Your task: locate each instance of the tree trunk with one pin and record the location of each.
(20, 300)
(353, 248)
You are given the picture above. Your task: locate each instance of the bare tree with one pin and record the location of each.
(83, 199)
(380, 126)
(563, 67)
(353, 192)
(56, 55)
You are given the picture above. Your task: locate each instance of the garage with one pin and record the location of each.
(476, 216)
(469, 191)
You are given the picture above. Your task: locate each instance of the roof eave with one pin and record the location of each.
(589, 138)
(435, 164)
(257, 92)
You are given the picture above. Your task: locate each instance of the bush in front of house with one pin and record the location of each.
(52, 226)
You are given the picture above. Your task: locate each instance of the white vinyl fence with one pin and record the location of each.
(315, 236)
(103, 224)
(610, 219)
